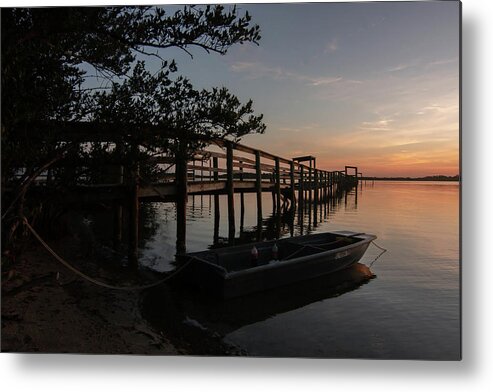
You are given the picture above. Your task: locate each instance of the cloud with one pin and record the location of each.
(323, 81)
(443, 62)
(242, 66)
(300, 128)
(289, 129)
(331, 46)
(441, 109)
(400, 67)
(382, 124)
(421, 64)
(258, 70)
(390, 123)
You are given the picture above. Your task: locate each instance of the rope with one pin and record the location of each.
(381, 253)
(379, 247)
(92, 280)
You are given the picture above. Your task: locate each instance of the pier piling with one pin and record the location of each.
(230, 191)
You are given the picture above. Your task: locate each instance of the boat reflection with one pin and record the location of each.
(169, 305)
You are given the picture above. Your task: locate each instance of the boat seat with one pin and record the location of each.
(300, 249)
(336, 243)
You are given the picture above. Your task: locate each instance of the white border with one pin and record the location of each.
(127, 373)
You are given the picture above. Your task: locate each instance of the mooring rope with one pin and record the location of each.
(383, 250)
(92, 280)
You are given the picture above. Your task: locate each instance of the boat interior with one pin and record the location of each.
(240, 257)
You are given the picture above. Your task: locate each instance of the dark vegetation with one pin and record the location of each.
(66, 66)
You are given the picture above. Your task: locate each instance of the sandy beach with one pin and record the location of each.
(46, 308)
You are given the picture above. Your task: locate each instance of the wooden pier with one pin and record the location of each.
(223, 168)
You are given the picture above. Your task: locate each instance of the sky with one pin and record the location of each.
(373, 85)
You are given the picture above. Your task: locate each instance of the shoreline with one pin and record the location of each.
(48, 309)
(409, 179)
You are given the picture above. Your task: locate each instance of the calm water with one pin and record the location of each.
(411, 310)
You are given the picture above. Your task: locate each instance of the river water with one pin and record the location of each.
(411, 310)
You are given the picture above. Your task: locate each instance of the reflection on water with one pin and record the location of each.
(412, 309)
(207, 223)
(226, 316)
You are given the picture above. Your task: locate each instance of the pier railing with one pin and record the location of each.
(236, 168)
(262, 171)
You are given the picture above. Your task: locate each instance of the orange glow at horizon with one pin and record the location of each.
(397, 165)
(402, 145)
(372, 157)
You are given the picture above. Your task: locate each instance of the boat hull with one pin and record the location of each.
(230, 284)
(284, 273)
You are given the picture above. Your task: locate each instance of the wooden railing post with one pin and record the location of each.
(242, 201)
(322, 184)
(330, 184)
(278, 186)
(117, 205)
(230, 190)
(326, 192)
(181, 200)
(325, 186)
(215, 173)
(133, 232)
(258, 188)
(310, 184)
(309, 213)
(217, 215)
(300, 188)
(291, 177)
(315, 185)
(356, 196)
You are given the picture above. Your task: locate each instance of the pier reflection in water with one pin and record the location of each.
(207, 223)
(411, 310)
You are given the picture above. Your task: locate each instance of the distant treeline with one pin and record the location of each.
(427, 178)
(252, 176)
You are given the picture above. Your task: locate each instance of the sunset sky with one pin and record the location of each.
(374, 85)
